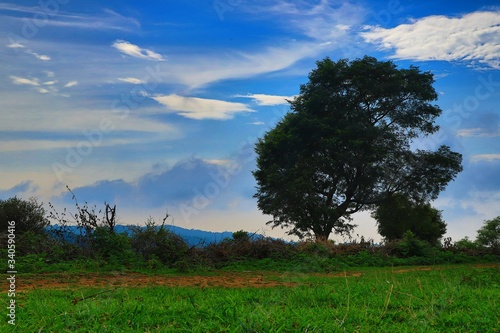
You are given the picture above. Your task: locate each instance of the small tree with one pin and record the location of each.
(398, 214)
(29, 215)
(489, 234)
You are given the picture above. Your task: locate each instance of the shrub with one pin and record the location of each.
(29, 215)
(153, 241)
(489, 234)
(112, 247)
(322, 249)
(410, 245)
(241, 235)
(466, 244)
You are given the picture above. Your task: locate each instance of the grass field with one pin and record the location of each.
(458, 298)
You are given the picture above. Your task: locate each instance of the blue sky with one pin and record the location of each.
(156, 105)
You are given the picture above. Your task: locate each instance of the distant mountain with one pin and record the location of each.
(192, 236)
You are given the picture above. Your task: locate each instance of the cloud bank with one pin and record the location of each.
(472, 38)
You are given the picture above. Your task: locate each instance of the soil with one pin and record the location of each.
(69, 281)
(222, 279)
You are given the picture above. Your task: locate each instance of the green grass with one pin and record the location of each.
(459, 298)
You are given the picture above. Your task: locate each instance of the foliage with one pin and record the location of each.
(489, 234)
(410, 245)
(156, 247)
(241, 235)
(345, 146)
(29, 215)
(156, 242)
(466, 244)
(397, 214)
(114, 247)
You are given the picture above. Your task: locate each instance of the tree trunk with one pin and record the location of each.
(322, 237)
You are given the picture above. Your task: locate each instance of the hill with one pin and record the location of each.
(193, 237)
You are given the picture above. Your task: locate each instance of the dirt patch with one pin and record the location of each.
(222, 279)
(415, 269)
(69, 281)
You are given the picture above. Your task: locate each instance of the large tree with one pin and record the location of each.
(345, 146)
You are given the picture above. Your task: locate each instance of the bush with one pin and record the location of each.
(157, 242)
(112, 247)
(29, 215)
(489, 234)
(466, 244)
(241, 236)
(411, 246)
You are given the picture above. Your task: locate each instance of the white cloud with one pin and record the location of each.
(50, 83)
(472, 38)
(263, 99)
(15, 45)
(477, 132)
(485, 157)
(135, 51)
(44, 91)
(40, 56)
(20, 80)
(257, 123)
(71, 84)
(201, 108)
(131, 80)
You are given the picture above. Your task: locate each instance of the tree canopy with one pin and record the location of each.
(345, 146)
(397, 214)
(489, 234)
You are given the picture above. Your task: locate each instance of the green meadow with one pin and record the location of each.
(449, 298)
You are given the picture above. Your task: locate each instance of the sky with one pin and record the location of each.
(155, 106)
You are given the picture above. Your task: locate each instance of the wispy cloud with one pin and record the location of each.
(485, 157)
(136, 51)
(478, 132)
(265, 100)
(65, 120)
(131, 80)
(201, 108)
(15, 45)
(71, 84)
(195, 71)
(56, 17)
(325, 20)
(40, 56)
(472, 38)
(21, 80)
